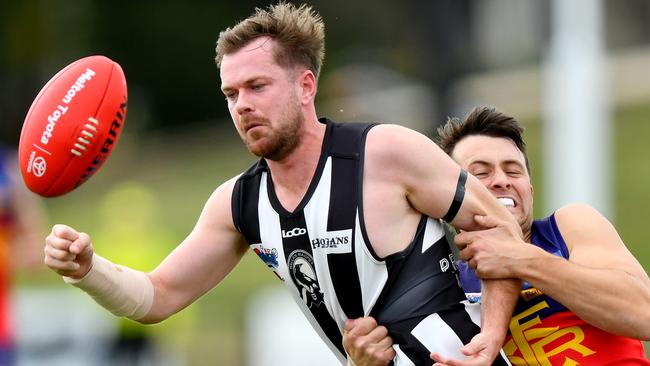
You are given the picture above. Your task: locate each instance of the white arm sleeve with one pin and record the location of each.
(121, 290)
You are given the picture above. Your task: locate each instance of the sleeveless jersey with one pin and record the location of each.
(544, 332)
(322, 254)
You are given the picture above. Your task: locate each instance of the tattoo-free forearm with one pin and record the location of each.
(497, 305)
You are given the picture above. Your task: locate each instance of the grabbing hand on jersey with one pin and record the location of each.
(367, 343)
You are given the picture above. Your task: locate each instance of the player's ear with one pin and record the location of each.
(532, 190)
(307, 86)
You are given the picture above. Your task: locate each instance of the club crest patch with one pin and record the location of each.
(269, 256)
(303, 274)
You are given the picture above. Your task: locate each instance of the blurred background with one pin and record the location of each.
(576, 75)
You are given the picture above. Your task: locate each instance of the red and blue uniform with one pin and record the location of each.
(544, 332)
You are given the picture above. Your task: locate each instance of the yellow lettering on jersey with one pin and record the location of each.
(570, 362)
(531, 342)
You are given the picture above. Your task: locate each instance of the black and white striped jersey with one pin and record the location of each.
(322, 253)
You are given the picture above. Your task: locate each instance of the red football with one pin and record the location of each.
(72, 126)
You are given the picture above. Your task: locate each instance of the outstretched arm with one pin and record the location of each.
(202, 260)
(199, 263)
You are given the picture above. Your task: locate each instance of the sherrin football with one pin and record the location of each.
(72, 126)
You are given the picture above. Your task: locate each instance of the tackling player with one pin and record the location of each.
(585, 298)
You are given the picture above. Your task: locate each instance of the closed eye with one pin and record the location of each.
(480, 174)
(516, 172)
(513, 169)
(230, 96)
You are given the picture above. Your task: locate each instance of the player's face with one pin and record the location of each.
(501, 167)
(262, 100)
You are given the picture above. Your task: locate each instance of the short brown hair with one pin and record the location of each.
(299, 32)
(482, 121)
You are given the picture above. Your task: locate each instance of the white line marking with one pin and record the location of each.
(43, 150)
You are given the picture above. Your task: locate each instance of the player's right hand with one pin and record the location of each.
(68, 252)
(366, 343)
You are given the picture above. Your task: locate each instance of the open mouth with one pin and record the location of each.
(506, 201)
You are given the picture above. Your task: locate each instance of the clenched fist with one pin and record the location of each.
(68, 252)
(367, 343)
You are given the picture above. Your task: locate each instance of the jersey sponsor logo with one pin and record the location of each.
(296, 231)
(531, 342)
(447, 263)
(337, 242)
(303, 274)
(269, 256)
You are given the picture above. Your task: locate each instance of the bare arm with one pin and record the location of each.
(601, 282)
(428, 178)
(201, 261)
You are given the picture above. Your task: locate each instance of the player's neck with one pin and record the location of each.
(292, 175)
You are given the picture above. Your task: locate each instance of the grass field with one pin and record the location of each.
(181, 169)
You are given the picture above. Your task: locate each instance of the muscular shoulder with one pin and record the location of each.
(406, 162)
(395, 142)
(593, 241)
(579, 217)
(398, 152)
(581, 224)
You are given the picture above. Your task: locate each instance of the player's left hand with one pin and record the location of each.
(480, 351)
(494, 251)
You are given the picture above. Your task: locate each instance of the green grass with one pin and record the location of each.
(182, 169)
